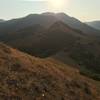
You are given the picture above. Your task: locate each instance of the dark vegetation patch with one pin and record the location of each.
(88, 60)
(16, 66)
(89, 73)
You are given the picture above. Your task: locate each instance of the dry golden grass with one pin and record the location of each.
(23, 77)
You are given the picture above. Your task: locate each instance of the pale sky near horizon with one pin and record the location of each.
(84, 10)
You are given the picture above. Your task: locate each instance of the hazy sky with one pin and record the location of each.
(85, 10)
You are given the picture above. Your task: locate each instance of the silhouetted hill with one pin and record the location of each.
(95, 24)
(23, 77)
(30, 20)
(40, 41)
(46, 20)
(74, 23)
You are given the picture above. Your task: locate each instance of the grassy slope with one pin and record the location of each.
(23, 77)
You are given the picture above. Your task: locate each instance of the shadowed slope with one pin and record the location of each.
(37, 39)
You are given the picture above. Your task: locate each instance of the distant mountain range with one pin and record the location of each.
(58, 36)
(94, 24)
(1, 20)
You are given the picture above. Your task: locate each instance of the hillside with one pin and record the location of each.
(47, 34)
(85, 55)
(77, 24)
(45, 20)
(14, 25)
(23, 77)
(37, 39)
(74, 23)
(94, 24)
(59, 37)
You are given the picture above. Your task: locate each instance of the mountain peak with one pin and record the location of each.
(55, 14)
(48, 13)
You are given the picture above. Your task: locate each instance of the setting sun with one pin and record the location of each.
(56, 3)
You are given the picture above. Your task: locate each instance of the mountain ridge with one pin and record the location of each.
(94, 24)
(46, 20)
(1, 20)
